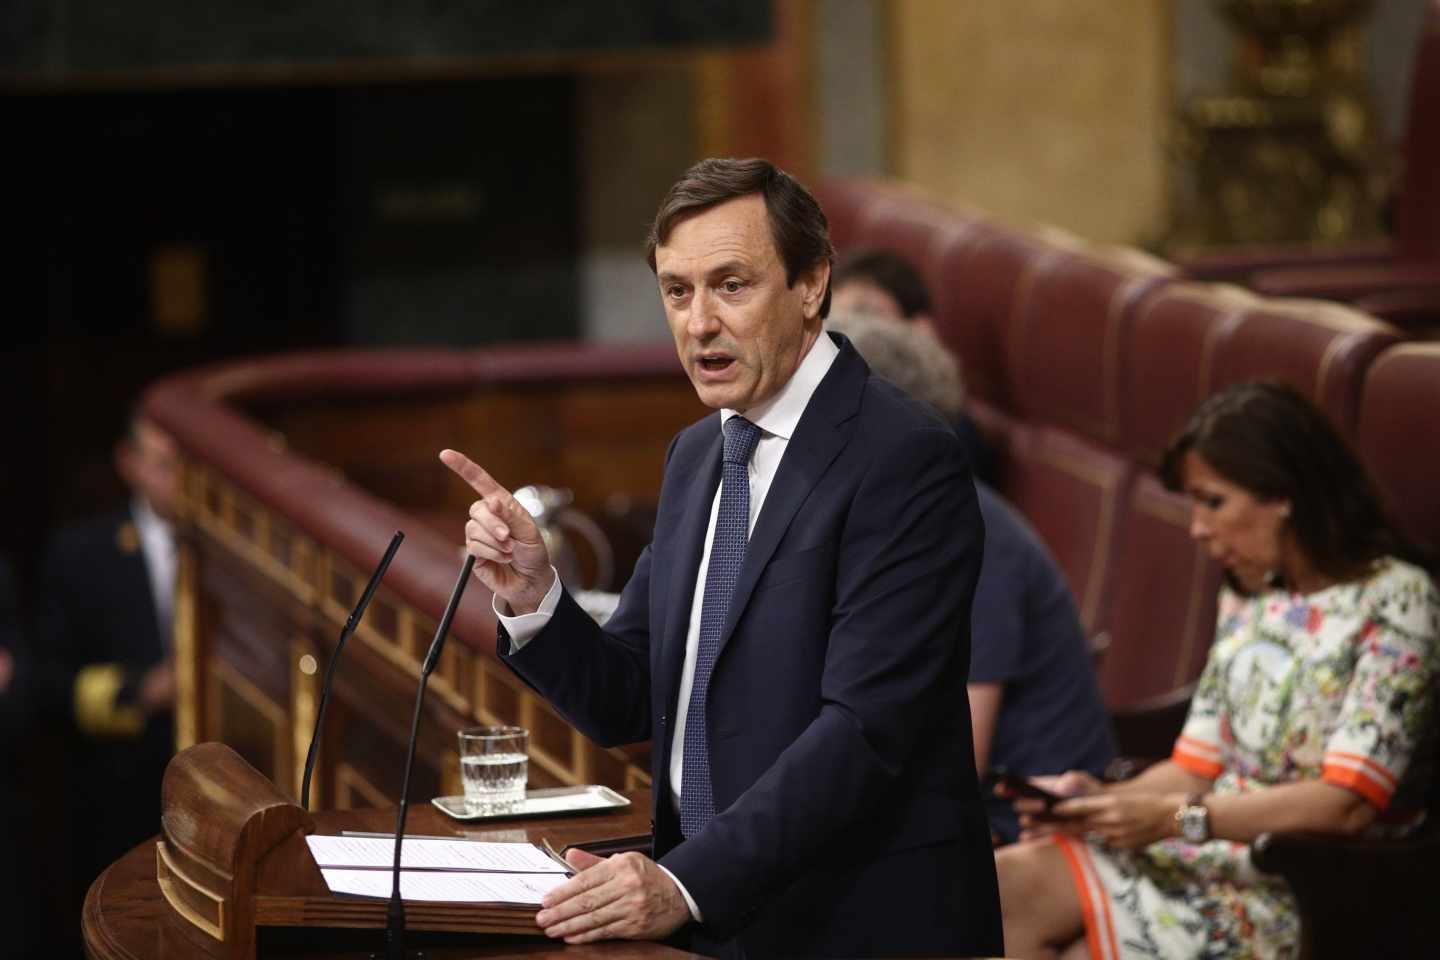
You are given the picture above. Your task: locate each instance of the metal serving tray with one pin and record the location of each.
(552, 801)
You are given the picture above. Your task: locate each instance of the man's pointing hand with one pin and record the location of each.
(510, 557)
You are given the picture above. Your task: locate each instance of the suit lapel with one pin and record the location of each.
(700, 489)
(819, 437)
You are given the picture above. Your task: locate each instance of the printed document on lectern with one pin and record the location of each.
(438, 870)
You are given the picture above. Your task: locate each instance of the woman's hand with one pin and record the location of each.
(1123, 820)
(1036, 820)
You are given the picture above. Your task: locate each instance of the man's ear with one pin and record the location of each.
(813, 283)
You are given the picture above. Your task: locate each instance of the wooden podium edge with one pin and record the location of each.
(355, 912)
(174, 887)
(95, 933)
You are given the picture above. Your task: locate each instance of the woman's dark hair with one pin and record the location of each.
(890, 272)
(1268, 438)
(797, 224)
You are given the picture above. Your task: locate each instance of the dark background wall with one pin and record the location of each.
(59, 39)
(201, 182)
(166, 228)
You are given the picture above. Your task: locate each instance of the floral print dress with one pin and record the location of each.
(1336, 686)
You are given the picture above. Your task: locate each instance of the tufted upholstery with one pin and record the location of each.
(1081, 362)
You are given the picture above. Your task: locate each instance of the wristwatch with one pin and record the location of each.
(1193, 817)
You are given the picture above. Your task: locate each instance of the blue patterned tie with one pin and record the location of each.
(727, 552)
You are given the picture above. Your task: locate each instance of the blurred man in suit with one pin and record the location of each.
(108, 594)
(793, 642)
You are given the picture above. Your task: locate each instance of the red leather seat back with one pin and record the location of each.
(1072, 492)
(1162, 621)
(984, 270)
(1065, 339)
(1322, 349)
(1167, 360)
(1398, 437)
(915, 228)
(844, 200)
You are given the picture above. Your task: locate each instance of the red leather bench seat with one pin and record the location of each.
(1081, 362)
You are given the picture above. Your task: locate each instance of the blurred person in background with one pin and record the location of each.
(107, 597)
(1315, 711)
(883, 284)
(1035, 705)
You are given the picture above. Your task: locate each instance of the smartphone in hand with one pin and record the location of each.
(1003, 783)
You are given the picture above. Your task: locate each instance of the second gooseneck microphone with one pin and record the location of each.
(395, 915)
(345, 632)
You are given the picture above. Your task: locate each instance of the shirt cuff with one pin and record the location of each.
(522, 629)
(689, 901)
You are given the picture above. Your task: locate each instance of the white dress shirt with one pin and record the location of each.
(157, 546)
(777, 419)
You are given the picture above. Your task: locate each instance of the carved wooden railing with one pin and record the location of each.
(297, 469)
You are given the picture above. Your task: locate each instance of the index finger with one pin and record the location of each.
(471, 472)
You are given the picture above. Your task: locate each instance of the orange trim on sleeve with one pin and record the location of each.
(1198, 757)
(1383, 776)
(1357, 781)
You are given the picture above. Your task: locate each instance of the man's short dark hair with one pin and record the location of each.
(891, 273)
(797, 224)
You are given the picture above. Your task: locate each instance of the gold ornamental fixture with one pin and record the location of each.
(1291, 153)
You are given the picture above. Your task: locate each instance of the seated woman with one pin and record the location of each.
(1314, 712)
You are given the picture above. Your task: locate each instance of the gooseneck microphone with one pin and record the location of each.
(350, 624)
(395, 916)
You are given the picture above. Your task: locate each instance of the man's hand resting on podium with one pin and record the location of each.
(625, 897)
(510, 556)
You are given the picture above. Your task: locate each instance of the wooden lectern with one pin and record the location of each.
(232, 858)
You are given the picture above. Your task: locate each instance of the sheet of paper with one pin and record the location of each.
(522, 889)
(429, 854)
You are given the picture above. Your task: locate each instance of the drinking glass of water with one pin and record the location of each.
(494, 766)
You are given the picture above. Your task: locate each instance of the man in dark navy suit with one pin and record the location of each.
(108, 587)
(795, 638)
